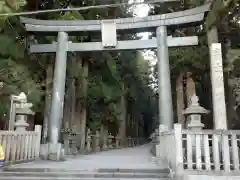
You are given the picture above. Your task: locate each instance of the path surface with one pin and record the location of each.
(128, 158)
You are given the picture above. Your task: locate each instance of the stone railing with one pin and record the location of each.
(96, 143)
(204, 150)
(21, 146)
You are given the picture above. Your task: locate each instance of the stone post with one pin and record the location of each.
(89, 141)
(102, 135)
(129, 141)
(110, 138)
(117, 144)
(162, 128)
(22, 111)
(133, 142)
(97, 142)
(38, 130)
(179, 155)
(218, 93)
(164, 83)
(104, 140)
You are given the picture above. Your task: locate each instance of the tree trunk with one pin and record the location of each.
(83, 115)
(67, 110)
(229, 88)
(48, 98)
(137, 128)
(101, 133)
(122, 126)
(73, 96)
(180, 99)
(231, 112)
(73, 106)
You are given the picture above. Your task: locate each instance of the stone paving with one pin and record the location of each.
(128, 158)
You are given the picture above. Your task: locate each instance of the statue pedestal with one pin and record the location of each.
(21, 123)
(195, 124)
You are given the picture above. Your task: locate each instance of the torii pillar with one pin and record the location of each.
(164, 82)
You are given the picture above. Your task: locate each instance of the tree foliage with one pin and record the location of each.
(111, 74)
(16, 75)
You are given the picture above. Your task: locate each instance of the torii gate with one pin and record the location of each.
(109, 30)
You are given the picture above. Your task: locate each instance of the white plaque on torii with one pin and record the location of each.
(109, 33)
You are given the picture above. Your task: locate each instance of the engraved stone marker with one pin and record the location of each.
(218, 96)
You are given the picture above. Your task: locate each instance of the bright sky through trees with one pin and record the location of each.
(141, 10)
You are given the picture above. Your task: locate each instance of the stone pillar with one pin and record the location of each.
(117, 145)
(97, 142)
(220, 119)
(218, 93)
(162, 128)
(58, 96)
(89, 141)
(164, 82)
(110, 138)
(104, 140)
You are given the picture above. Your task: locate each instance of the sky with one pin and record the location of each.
(141, 10)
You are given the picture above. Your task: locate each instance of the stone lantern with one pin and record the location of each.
(194, 113)
(22, 111)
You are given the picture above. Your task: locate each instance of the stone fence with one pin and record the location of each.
(199, 151)
(21, 146)
(95, 142)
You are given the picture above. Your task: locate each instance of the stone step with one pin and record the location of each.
(85, 175)
(70, 178)
(164, 170)
(99, 170)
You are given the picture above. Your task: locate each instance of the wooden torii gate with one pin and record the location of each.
(109, 29)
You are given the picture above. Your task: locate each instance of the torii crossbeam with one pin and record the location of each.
(121, 45)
